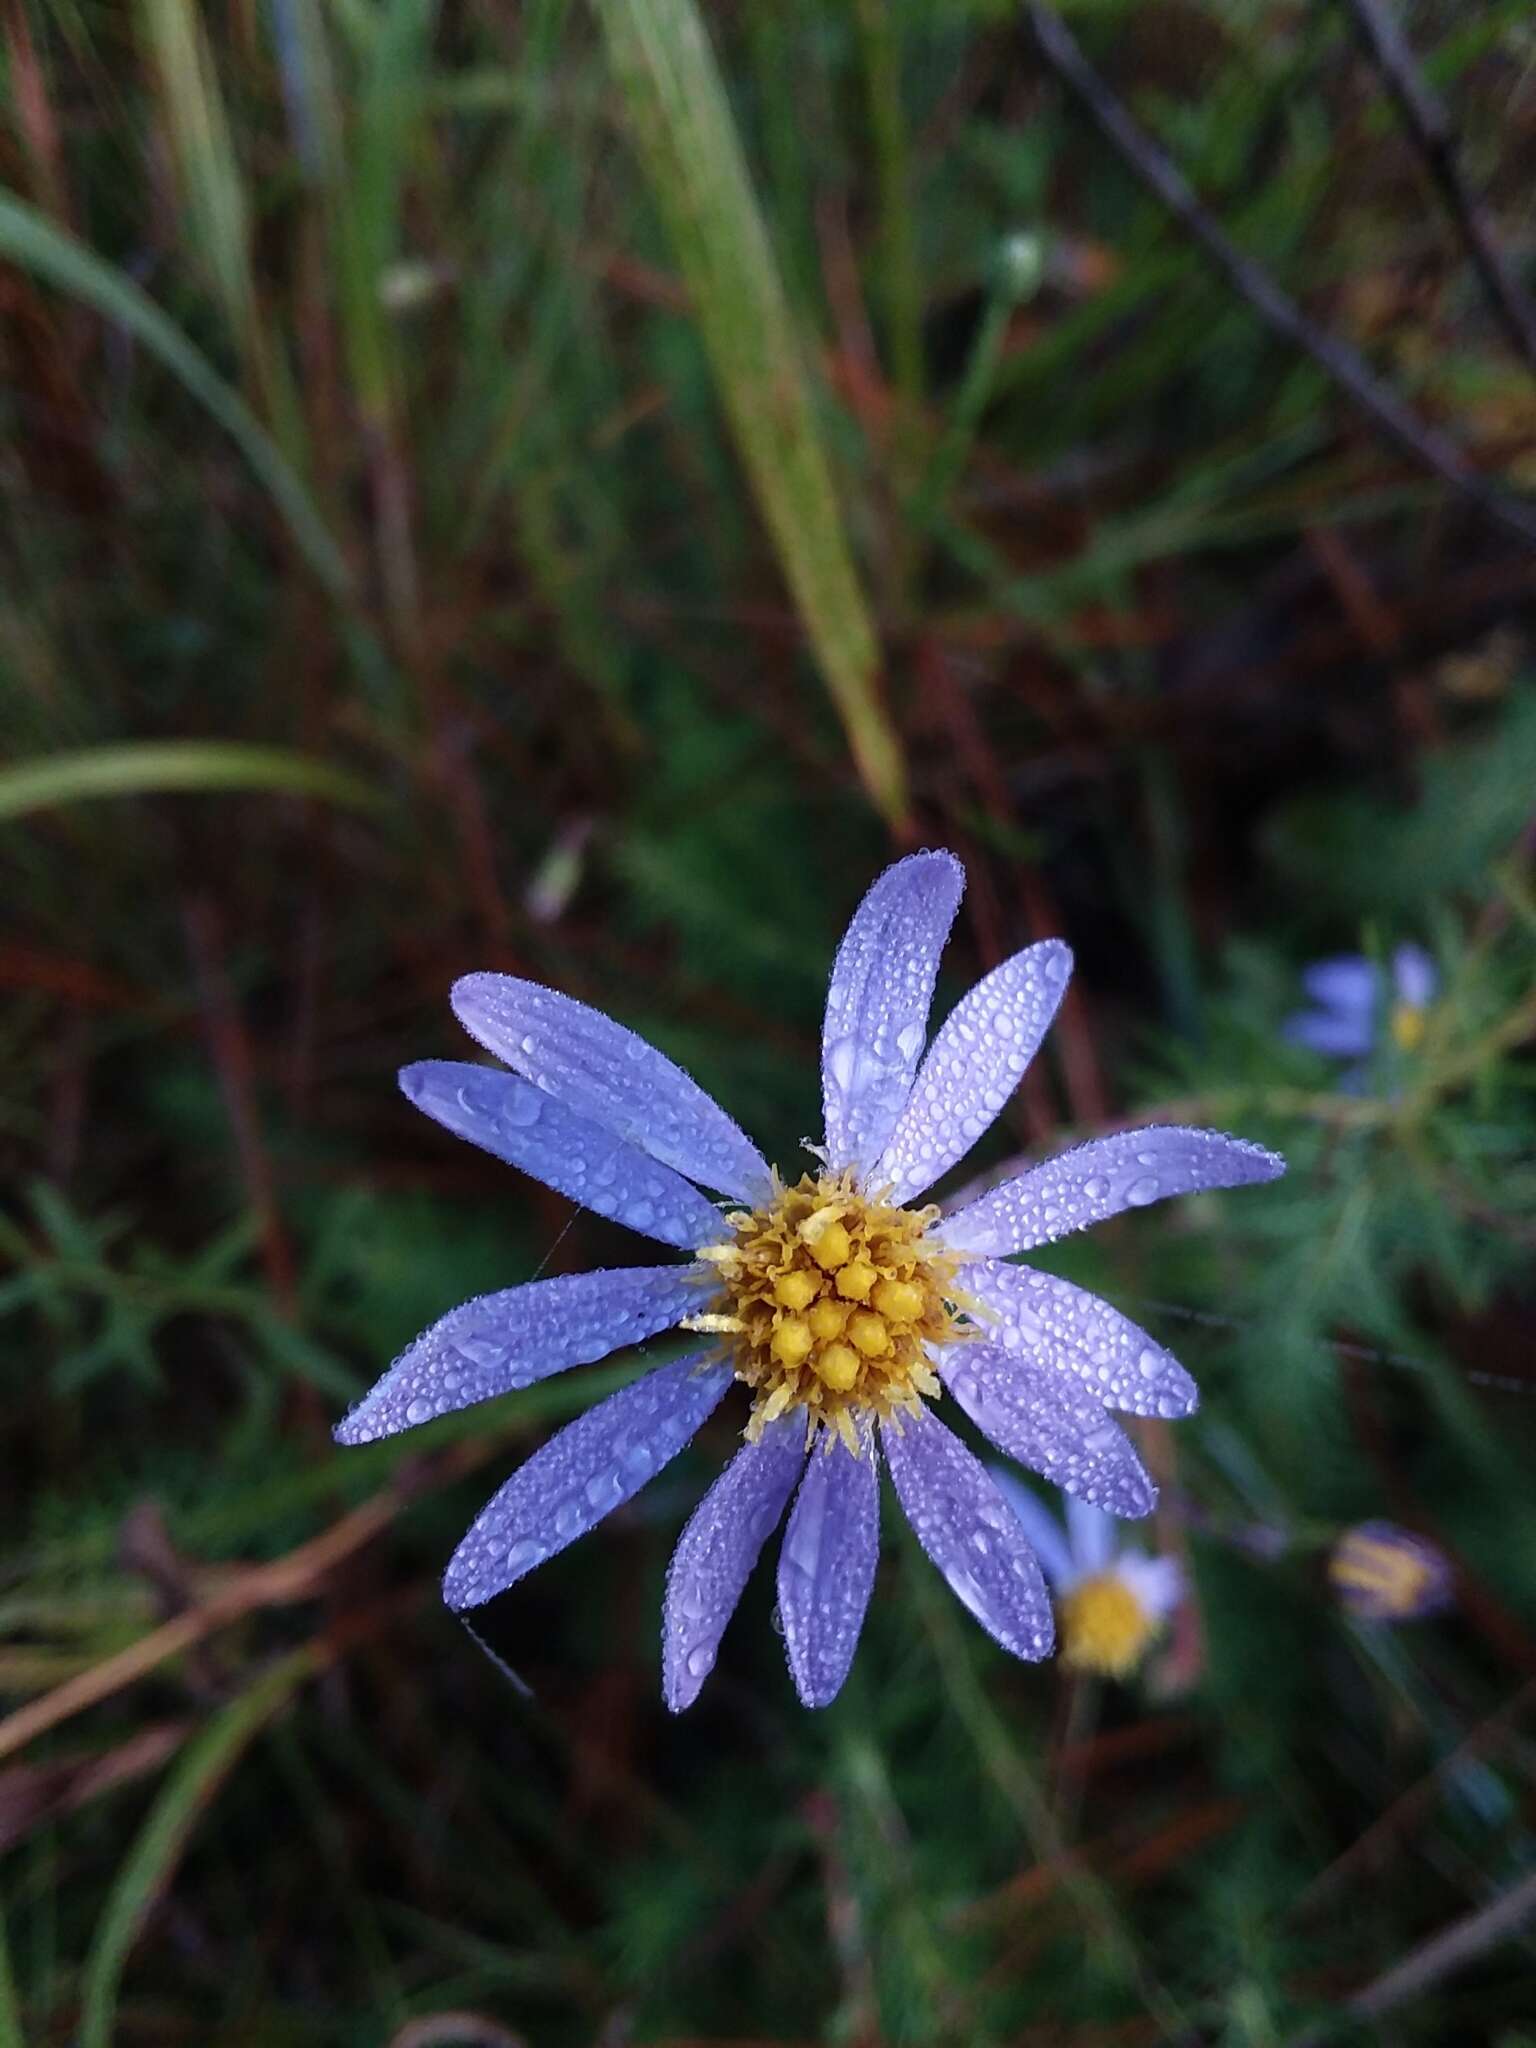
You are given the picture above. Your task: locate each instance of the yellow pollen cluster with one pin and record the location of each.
(829, 1300)
(1390, 1577)
(1407, 1024)
(1104, 1627)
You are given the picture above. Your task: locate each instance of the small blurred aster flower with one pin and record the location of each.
(1383, 1573)
(1352, 1002)
(1111, 1600)
(840, 1301)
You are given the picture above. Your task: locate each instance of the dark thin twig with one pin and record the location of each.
(1430, 126)
(229, 1047)
(1343, 364)
(1465, 1941)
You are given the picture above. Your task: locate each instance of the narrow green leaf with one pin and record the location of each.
(158, 767)
(207, 168)
(688, 142)
(33, 242)
(11, 2035)
(146, 1869)
(901, 285)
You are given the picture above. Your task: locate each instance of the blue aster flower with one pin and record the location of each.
(1352, 1001)
(844, 1304)
(1112, 1599)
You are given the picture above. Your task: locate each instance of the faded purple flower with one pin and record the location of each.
(1384, 1573)
(842, 1306)
(1352, 1001)
(1112, 1599)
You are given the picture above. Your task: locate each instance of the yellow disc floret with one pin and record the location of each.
(1105, 1628)
(829, 1300)
(1408, 1023)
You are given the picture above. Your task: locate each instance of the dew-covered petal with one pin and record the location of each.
(1097, 1180)
(569, 1153)
(610, 1074)
(972, 1067)
(508, 1340)
(1346, 984)
(1332, 1035)
(1050, 1424)
(716, 1552)
(1042, 1530)
(592, 1466)
(1057, 1324)
(877, 1002)
(827, 1566)
(972, 1534)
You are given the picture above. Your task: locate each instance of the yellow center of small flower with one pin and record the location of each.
(1388, 1574)
(1407, 1024)
(829, 1299)
(1104, 1627)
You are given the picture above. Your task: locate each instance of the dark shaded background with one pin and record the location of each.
(441, 533)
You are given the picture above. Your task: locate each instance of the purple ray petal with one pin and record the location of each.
(1157, 1582)
(569, 1153)
(1042, 1530)
(1057, 1324)
(971, 1533)
(1333, 1037)
(605, 1072)
(973, 1066)
(716, 1552)
(1415, 977)
(877, 1002)
(827, 1566)
(592, 1466)
(1347, 985)
(1091, 1534)
(1097, 1180)
(1050, 1424)
(508, 1340)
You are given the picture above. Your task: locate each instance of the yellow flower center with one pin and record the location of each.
(1104, 1627)
(828, 1300)
(1407, 1024)
(1389, 1574)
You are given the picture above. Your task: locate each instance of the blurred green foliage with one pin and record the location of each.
(483, 490)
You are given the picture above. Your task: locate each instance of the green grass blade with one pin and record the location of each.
(693, 158)
(11, 2035)
(392, 92)
(207, 168)
(901, 284)
(33, 242)
(146, 1868)
(160, 767)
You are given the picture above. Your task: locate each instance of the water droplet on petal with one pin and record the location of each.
(604, 1491)
(966, 1591)
(638, 1461)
